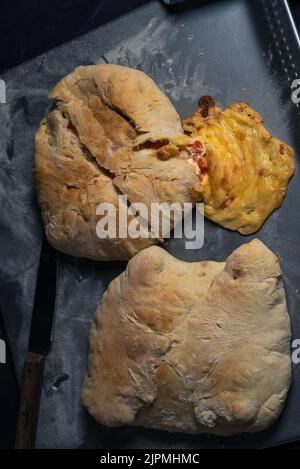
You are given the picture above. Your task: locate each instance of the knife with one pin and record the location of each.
(39, 345)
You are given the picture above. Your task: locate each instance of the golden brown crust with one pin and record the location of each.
(192, 347)
(248, 169)
(128, 92)
(87, 152)
(70, 186)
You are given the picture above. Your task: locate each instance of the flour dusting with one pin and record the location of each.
(155, 51)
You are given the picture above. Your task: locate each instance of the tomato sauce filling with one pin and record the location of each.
(197, 153)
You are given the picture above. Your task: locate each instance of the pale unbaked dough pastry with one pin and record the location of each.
(96, 144)
(192, 347)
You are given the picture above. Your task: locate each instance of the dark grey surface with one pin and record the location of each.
(224, 49)
(30, 27)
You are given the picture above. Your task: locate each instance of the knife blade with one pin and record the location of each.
(39, 345)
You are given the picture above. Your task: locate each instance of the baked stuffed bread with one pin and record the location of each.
(103, 139)
(112, 132)
(247, 169)
(192, 347)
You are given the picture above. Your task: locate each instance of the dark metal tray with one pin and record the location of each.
(235, 50)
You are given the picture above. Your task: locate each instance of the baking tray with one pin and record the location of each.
(235, 50)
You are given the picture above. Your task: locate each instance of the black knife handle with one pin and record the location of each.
(30, 401)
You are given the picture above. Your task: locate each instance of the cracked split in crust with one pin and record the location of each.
(93, 147)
